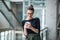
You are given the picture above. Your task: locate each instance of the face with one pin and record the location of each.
(29, 13)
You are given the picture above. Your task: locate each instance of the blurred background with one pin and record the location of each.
(12, 12)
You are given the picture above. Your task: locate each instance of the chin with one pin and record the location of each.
(29, 16)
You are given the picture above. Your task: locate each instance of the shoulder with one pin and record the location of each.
(37, 18)
(23, 21)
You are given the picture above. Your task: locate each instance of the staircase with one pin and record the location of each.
(10, 15)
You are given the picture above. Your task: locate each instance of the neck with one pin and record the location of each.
(28, 18)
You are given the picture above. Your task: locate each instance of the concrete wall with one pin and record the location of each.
(3, 22)
(17, 8)
(51, 10)
(9, 15)
(13, 7)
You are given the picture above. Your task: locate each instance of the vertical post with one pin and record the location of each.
(42, 35)
(43, 18)
(23, 8)
(46, 34)
(4, 35)
(13, 35)
(0, 35)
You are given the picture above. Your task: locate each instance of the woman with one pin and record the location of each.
(31, 26)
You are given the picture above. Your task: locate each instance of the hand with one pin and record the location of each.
(25, 32)
(27, 25)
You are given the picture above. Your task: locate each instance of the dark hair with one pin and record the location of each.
(31, 8)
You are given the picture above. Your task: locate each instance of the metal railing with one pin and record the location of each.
(58, 33)
(58, 28)
(43, 33)
(14, 34)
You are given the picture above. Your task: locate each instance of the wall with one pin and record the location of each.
(3, 22)
(51, 11)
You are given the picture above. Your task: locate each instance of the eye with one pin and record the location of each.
(30, 13)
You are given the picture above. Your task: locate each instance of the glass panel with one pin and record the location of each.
(40, 10)
(44, 16)
(26, 3)
(44, 19)
(40, 0)
(38, 13)
(31, 2)
(39, 4)
(25, 13)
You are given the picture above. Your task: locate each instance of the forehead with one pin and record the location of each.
(30, 11)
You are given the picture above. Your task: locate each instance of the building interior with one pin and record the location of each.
(12, 12)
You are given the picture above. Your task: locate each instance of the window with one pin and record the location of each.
(38, 13)
(39, 0)
(26, 3)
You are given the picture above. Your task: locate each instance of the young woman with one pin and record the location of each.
(31, 26)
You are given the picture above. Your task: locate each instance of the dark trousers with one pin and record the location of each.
(33, 37)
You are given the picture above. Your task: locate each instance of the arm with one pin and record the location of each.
(36, 30)
(25, 32)
(24, 29)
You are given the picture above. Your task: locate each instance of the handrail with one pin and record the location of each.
(6, 18)
(58, 21)
(6, 29)
(42, 33)
(5, 4)
(11, 11)
(58, 28)
(43, 29)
